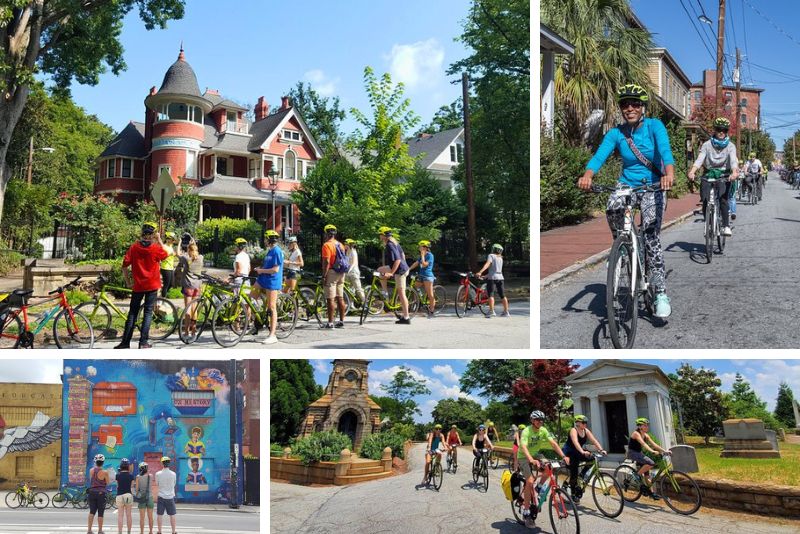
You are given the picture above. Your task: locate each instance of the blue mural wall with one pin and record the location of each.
(145, 409)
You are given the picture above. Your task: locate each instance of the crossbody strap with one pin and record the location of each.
(638, 153)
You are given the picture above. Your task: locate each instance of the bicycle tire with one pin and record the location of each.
(60, 499)
(324, 306)
(495, 460)
(99, 316)
(13, 499)
(516, 510)
(10, 330)
(81, 501)
(204, 311)
(413, 303)
(667, 490)
(40, 500)
(307, 301)
(163, 324)
(111, 501)
(440, 294)
(627, 478)
(287, 315)
(374, 300)
(463, 302)
(438, 475)
(607, 490)
(73, 336)
(485, 474)
(483, 302)
(709, 231)
(475, 470)
(449, 462)
(561, 505)
(626, 321)
(229, 322)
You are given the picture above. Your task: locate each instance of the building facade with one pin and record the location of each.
(750, 103)
(30, 435)
(439, 153)
(671, 83)
(208, 145)
(145, 409)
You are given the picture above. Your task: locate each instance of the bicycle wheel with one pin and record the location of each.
(306, 303)
(607, 494)
(323, 307)
(59, 500)
(190, 328)
(13, 499)
(621, 294)
(165, 319)
(374, 305)
(709, 231)
(81, 500)
(680, 492)
(516, 509)
(10, 330)
(449, 462)
(629, 481)
(41, 500)
(438, 475)
(464, 301)
(413, 303)
(73, 332)
(287, 316)
(111, 501)
(229, 321)
(485, 474)
(475, 470)
(99, 316)
(494, 460)
(563, 513)
(720, 235)
(440, 293)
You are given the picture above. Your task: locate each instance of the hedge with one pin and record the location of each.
(321, 447)
(373, 445)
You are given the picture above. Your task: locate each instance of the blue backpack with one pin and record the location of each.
(341, 264)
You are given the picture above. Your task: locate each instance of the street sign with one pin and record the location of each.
(163, 191)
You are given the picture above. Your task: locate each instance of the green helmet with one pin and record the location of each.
(632, 91)
(497, 247)
(581, 418)
(642, 421)
(721, 123)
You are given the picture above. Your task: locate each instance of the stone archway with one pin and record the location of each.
(348, 425)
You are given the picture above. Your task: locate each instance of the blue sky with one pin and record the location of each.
(442, 376)
(250, 48)
(765, 47)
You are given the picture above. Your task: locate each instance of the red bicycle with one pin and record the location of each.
(563, 512)
(470, 295)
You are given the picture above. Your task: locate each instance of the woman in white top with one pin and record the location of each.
(241, 264)
(353, 276)
(292, 265)
(494, 282)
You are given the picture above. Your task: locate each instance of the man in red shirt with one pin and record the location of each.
(143, 261)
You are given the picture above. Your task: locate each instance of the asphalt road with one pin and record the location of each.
(746, 298)
(400, 505)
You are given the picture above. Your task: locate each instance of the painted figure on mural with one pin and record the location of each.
(195, 476)
(195, 448)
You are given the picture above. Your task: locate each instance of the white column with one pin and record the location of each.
(654, 415)
(548, 90)
(247, 210)
(200, 212)
(598, 426)
(631, 410)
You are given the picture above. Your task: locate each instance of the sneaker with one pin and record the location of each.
(145, 346)
(529, 521)
(655, 496)
(727, 231)
(270, 340)
(338, 324)
(733, 216)
(662, 306)
(123, 346)
(406, 320)
(493, 314)
(506, 314)
(327, 326)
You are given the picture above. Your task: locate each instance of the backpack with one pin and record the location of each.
(516, 481)
(505, 483)
(340, 263)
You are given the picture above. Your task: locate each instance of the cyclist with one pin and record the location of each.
(270, 279)
(168, 264)
(532, 440)
(353, 276)
(649, 138)
(639, 440)
(491, 431)
(716, 155)
(293, 264)
(332, 278)
(573, 448)
(435, 439)
(494, 262)
(190, 266)
(515, 449)
(241, 263)
(454, 442)
(754, 168)
(394, 265)
(98, 482)
(426, 278)
(480, 441)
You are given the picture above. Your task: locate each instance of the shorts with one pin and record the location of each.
(166, 504)
(191, 292)
(334, 284)
(525, 467)
(640, 458)
(97, 502)
(495, 285)
(515, 450)
(125, 498)
(146, 505)
(426, 278)
(400, 282)
(258, 291)
(292, 274)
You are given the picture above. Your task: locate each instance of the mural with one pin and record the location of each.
(145, 409)
(42, 431)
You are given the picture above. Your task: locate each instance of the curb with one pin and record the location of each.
(581, 265)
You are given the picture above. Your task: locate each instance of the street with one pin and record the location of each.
(399, 505)
(746, 298)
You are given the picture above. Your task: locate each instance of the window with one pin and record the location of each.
(453, 156)
(163, 167)
(744, 118)
(309, 169)
(743, 103)
(24, 466)
(191, 164)
(299, 169)
(110, 164)
(126, 168)
(222, 165)
(177, 111)
(279, 167)
(698, 95)
(460, 152)
(231, 121)
(291, 135)
(728, 95)
(251, 168)
(289, 174)
(197, 115)
(287, 216)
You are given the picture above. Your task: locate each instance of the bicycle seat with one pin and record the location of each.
(22, 292)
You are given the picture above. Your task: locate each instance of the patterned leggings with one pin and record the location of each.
(653, 205)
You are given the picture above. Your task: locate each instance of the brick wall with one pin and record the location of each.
(743, 496)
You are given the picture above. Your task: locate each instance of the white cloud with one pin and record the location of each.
(323, 85)
(446, 372)
(765, 377)
(38, 371)
(321, 365)
(418, 64)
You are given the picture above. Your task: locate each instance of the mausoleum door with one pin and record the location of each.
(617, 426)
(347, 425)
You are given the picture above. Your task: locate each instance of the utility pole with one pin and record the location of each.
(737, 79)
(720, 56)
(472, 252)
(233, 402)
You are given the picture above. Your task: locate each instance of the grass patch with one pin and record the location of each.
(784, 470)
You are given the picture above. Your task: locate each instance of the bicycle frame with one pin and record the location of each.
(43, 320)
(392, 303)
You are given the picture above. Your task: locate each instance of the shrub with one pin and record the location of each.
(174, 293)
(229, 230)
(373, 445)
(321, 447)
(76, 296)
(9, 260)
(405, 430)
(275, 449)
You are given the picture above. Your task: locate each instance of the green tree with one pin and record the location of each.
(493, 378)
(292, 389)
(784, 412)
(66, 40)
(500, 413)
(27, 216)
(404, 387)
(396, 411)
(745, 403)
(445, 118)
(759, 142)
(430, 206)
(466, 414)
(697, 393)
(322, 115)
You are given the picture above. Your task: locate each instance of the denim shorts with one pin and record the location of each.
(426, 278)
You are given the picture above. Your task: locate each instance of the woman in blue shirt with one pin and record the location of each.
(650, 138)
(270, 280)
(425, 263)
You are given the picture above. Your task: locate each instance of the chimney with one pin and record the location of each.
(285, 102)
(262, 109)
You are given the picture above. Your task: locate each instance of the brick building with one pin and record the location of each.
(750, 111)
(207, 143)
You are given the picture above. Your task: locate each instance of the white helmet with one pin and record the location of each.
(99, 458)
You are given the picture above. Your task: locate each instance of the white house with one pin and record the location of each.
(440, 153)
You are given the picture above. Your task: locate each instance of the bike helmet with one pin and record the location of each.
(385, 230)
(330, 228)
(481, 427)
(292, 239)
(642, 421)
(490, 424)
(537, 414)
(497, 247)
(142, 467)
(581, 419)
(521, 428)
(240, 241)
(752, 155)
(149, 228)
(632, 92)
(453, 426)
(437, 426)
(165, 459)
(123, 464)
(272, 235)
(350, 242)
(169, 235)
(721, 123)
(99, 458)
(425, 243)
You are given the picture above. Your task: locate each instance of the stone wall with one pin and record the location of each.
(295, 472)
(750, 497)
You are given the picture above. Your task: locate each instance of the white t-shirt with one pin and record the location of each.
(243, 259)
(352, 257)
(754, 166)
(165, 480)
(293, 260)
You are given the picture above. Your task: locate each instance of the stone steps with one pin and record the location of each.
(361, 470)
(352, 479)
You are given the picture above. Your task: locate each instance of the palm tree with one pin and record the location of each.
(608, 53)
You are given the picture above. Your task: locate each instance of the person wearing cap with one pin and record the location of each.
(293, 264)
(269, 282)
(333, 281)
(639, 440)
(165, 480)
(435, 440)
(142, 262)
(168, 264)
(353, 276)
(426, 278)
(241, 264)
(143, 481)
(124, 498)
(394, 265)
(573, 448)
(494, 279)
(454, 442)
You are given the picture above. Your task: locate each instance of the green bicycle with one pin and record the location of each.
(309, 298)
(196, 317)
(25, 496)
(423, 304)
(76, 496)
(376, 303)
(678, 489)
(102, 311)
(606, 491)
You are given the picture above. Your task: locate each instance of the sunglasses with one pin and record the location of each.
(630, 103)
(723, 130)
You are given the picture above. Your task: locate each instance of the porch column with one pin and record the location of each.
(630, 408)
(213, 164)
(548, 90)
(598, 425)
(247, 210)
(200, 212)
(656, 421)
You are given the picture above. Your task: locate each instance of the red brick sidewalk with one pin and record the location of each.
(562, 247)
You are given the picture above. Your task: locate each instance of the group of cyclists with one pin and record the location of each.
(529, 444)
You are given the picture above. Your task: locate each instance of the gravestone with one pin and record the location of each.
(782, 434)
(747, 438)
(684, 458)
(772, 438)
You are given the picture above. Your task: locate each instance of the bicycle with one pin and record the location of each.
(752, 188)
(25, 496)
(71, 328)
(435, 473)
(606, 491)
(309, 298)
(480, 469)
(494, 459)
(713, 218)
(70, 495)
(439, 295)
(202, 307)
(470, 296)
(452, 466)
(102, 310)
(562, 508)
(679, 490)
(376, 302)
(627, 259)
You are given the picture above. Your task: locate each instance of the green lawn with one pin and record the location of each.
(784, 471)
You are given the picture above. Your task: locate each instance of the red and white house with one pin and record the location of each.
(205, 141)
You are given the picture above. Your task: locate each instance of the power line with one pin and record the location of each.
(746, 51)
(699, 34)
(774, 25)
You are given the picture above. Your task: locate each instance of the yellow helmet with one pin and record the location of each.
(425, 243)
(385, 230)
(149, 227)
(272, 235)
(240, 241)
(349, 241)
(169, 235)
(329, 228)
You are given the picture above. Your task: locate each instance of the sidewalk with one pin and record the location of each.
(564, 247)
(181, 506)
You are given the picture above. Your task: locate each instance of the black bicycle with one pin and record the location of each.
(713, 217)
(480, 469)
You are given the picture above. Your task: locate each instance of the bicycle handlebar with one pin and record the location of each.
(652, 188)
(60, 289)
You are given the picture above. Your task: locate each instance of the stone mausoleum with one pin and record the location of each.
(346, 405)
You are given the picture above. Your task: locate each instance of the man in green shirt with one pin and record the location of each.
(531, 442)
